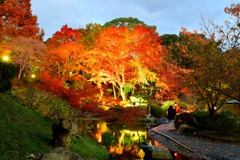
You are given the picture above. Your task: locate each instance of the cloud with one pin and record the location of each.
(168, 15)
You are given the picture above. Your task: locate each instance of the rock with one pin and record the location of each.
(186, 130)
(60, 154)
(185, 118)
(162, 120)
(154, 152)
(63, 132)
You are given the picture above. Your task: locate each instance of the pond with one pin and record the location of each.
(129, 139)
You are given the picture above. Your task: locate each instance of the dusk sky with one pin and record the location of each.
(167, 15)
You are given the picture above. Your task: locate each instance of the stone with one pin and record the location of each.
(60, 153)
(63, 133)
(155, 152)
(185, 118)
(185, 129)
(162, 120)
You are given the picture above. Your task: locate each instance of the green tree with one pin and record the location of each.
(227, 36)
(206, 76)
(129, 22)
(207, 62)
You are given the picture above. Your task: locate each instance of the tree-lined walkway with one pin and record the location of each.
(196, 147)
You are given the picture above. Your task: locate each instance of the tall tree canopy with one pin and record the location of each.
(16, 19)
(208, 62)
(129, 22)
(117, 57)
(126, 57)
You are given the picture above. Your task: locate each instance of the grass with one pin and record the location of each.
(23, 131)
(89, 148)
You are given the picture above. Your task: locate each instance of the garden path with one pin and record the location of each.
(197, 148)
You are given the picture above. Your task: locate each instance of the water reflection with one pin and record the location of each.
(129, 139)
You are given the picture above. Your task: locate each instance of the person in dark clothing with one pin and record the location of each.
(171, 113)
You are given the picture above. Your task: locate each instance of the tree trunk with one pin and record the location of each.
(122, 93)
(114, 92)
(20, 72)
(211, 110)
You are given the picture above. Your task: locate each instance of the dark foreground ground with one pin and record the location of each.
(197, 148)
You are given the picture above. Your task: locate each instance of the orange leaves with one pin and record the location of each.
(233, 10)
(84, 92)
(116, 57)
(16, 19)
(65, 35)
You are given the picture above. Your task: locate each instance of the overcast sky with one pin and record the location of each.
(167, 15)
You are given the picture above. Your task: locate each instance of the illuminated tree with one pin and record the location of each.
(16, 19)
(120, 57)
(125, 57)
(26, 54)
(68, 63)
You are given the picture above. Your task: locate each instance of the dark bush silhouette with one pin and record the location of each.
(7, 72)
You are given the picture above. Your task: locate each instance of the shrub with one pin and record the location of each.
(48, 104)
(108, 139)
(223, 122)
(157, 111)
(166, 104)
(203, 119)
(7, 72)
(185, 118)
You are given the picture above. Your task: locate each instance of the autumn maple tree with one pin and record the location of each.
(126, 57)
(67, 62)
(119, 57)
(26, 54)
(16, 19)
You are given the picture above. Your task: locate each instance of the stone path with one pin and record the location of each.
(201, 148)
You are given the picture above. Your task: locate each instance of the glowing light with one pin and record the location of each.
(5, 58)
(33, 76)
(175, 154)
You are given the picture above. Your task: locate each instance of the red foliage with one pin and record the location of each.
(76, 97)
(16, 19)
(52, 84)
(233, 10)
(65, 35)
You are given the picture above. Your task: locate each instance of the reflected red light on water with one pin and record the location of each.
(175, 154)
(98, 136)
(111, 149)
(156, 143)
